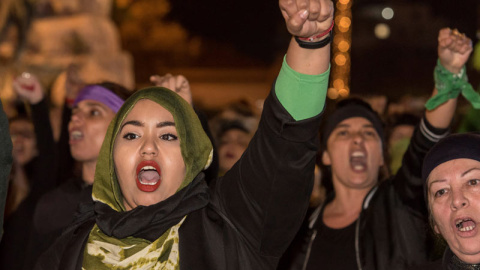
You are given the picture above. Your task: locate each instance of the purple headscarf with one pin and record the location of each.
(100, 94)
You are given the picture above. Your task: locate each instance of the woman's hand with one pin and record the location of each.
(454, 49)
(179, 84)
(305, 18)
(28, 87)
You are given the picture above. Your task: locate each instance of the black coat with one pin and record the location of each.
(41, 171)
(254, 210)
(392, 230)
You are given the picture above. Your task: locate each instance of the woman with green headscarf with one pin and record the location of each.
(152, 208)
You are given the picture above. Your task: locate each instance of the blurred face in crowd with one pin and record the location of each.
(87, 129)
(232, 145)
(399, 133)
(24, 141)
(454, 202)
(147, 155)
(354, 152)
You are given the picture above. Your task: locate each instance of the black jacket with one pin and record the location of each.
(448, 262)
(42, 172)
(254, 210)
(392, 229)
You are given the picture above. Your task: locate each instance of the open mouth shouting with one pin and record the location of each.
(148, 176)
(358, 161)
(465, 224)
(75, 136)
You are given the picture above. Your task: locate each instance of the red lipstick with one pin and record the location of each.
(148, 176)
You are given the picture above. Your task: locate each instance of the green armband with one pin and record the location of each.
(449, 86)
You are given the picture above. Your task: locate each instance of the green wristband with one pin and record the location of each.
(449, 86)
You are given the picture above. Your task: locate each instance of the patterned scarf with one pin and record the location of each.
(147, 237)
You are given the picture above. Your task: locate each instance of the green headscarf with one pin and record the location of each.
(109, 252)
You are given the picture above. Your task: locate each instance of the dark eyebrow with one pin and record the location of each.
(472, 169)
(133, 123)
(165, 124)
(341, 126)
(140, 124)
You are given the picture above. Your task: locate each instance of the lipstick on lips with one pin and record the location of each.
(148, 176)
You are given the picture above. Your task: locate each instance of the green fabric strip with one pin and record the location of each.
(293, 88)
(449, 86)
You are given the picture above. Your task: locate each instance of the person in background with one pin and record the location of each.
(24, 151)
(367, 222)
(34, 170)
(399, 133)
(232, 140)
(93, 109)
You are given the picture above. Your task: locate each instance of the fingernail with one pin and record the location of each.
(304, 14)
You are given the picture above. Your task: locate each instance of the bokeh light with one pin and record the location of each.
(340, 59)
(332, 93)
(343, 46)
(387, 13)
(382, 31)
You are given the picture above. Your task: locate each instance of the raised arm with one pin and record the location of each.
(453, 52)
(454, 49)
(305, 19)
(28, 87)
(265, 194)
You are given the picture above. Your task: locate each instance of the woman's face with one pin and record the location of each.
(354, 152)
(87, 129)
(147, 155)
(232, 145)
(454, 201)
(24, 142)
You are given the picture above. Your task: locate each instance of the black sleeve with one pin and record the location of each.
(408, 181)
(44, 177)
(5, 162)
(65, 161)
(266, 192)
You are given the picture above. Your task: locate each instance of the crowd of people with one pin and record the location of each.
(141, 179)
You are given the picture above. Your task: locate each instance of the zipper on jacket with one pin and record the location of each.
(307, 256)
(357, 243)
(365, 205)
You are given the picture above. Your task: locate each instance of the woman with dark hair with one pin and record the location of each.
(33, 169)
(368, 222)
(152, 208)
(93, 109)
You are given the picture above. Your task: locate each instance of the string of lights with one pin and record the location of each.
(341, 64)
